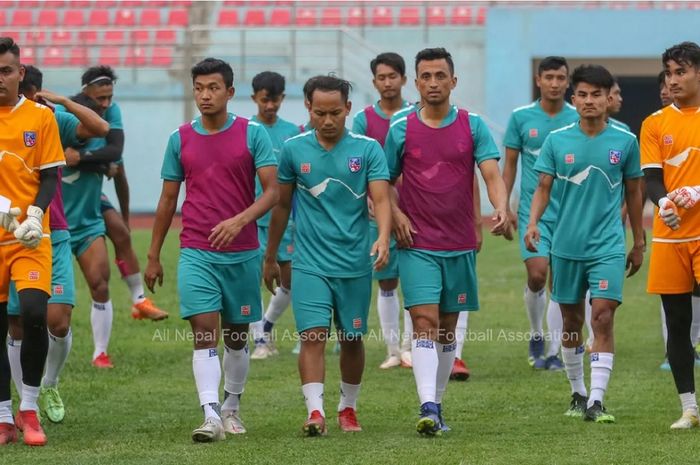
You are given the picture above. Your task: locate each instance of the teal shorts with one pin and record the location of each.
(81, 240)
(62, 279)
(445, 279)
(603, 276)
(105, 204)
(233, 289)
(286, 248)
(317, 300)
(543, 247)
(391, 270)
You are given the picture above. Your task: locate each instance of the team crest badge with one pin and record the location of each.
(668, 139)
(533, 132)
(603, 285)
(355, 164)
(357, 323)
(569, 158)
(30, 138)
(305, 168)
(58, 290)
(33, 276)
(615, 156)
(462, 298)
(245, 310)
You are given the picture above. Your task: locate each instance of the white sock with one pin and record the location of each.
(59, 348)
(664, 328)
(14, 348)
(256, 329)
(138, 294)
(389, 307)
(425, 368)
(446, 358)
(207, 377)
(573, 363)
(587, 319)
(236, 365)
(313, 396)
(695, 325)
(534, 304)
(461, 332)
(601, 368)
(6, 412)
(348, 396)
(101, 320)
(555, 326)
(407, 331)
(278, 303)
(688, 401)
(30, 394)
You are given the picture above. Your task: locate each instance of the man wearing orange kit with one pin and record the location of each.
(30, 154)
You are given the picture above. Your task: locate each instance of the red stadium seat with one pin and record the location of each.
(98, 18)
(110, 56)
(182, 3)
(254, 18)
(156, 3)
(28, 56)
(166, 37)
(61, 37)
(178, 17)
(73, 18)
(47, 18)
(78, 56)
(228, 18)
(135, 56)
(29, 3)
(125, 18)
(150, 17)
(107, 4)
(356, 16)
(87, 37)
(53, 56)
(15, 35)
(306, 17)
(79, 3)
(3, 18)
(409, 16)
(481, 16)
(280, 17)
(53, 4)
(113, 37)
(331, 17)
(140, 37)
(162, 57)
(22, 18)
(234, 2)
(382, 16)
(461, 16)
(436, 16)
(131, 3)
(6, 4)
(36, 38)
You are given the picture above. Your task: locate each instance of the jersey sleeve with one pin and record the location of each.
(484, 146)
(394, 145)
(377, 167)
(50, 149)
(260, 146)
(172, 166)
(545, 162)
(285, 170)
(651, 156)
(511, 139)
(114, 117)
(359, 123)
(67, 127)
(633, 168)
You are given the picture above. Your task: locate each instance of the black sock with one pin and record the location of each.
(681, 354)
(35, 344)
(5, 376)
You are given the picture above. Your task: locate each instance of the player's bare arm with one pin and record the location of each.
(91, 124)
(478, 223)
(278, 223)
(402, 227)
(498, 197)
(510, 170)
(539, 204)
(164, 217)
(379, 191)
(633, 200)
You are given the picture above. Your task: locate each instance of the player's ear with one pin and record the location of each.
(404, 79)
(454, 82)
(282, 97)
(348, 106)
(230, 92)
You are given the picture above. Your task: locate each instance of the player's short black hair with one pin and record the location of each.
(661, 79)
(439, 53)
(213, 66)
(270, 81)
(86, 101)
(392, 60)
(552, 63)
(99, 76)
(33, 77)
(594, 75)
(685, 53)
(7, 44)
(327, 83)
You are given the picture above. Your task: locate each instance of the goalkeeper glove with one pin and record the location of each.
(31, 231)
(669, 213)
(685, 197)
(8, 221)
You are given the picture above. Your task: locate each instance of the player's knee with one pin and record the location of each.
(388, 284)
(15, 327)
(99, 288)
(121, 240)
(425, 326)
(33, 303)
(59, 328)
(536, 280)
(572, 322)
(602, 320)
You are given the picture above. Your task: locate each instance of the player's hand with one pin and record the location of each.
(668, 212)
(8, 221)
(153, 274)
(31, 231)
(225, 232)
(532, 237)
(684, 197)
(370, 207)
(72, 156)
(380, 250)
(272, 277)
(634, 260)
(479, 230)
(502, 225)
(51, 97)
(513, 218)
(403, 229)
(112, 170)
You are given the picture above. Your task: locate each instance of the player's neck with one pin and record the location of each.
(327, 143)
(433, 115)
(593, 126)
(10, 102)
(214, 123)
(263, 119)
(692, 102)
(391, 105)
(552, 107)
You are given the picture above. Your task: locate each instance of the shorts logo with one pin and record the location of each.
(603, 285)
(615, 156)
(33, 276)
(305, 168)
(357, 323)
(58, 290)
(355, 164)
(245, 310)
(533, 132)
(668, 139)
(213, 353)
(30, 138)
(569, 158)
(290, 248)
(462, 298)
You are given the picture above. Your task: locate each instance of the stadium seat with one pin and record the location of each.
(22, 18)
(6, 4)
(409, 16)
(29, 3)
(280, 17)
(35, 38)
(79, 3)
(125, 18)
(73, 18)
(61, 37)
(178, 17)
(356, 16)
(135, 56)
(306, 17)
(331, 17)
(162, 57)
(234, 2)
(98, 18)
(263, 3)
(481, 16)
(47, 18)
(228, 18)
(382, 16)
(113, 37)
(107, 3)
(28, 56)
(3, 18)
(166, 37)
(53, 4)
(181, 3)
(436, 16)
(131, 3)
(156, 3)
(15, 35)
(150, 17)
(461, 16)
(78, 56)
(53, 56)
(87, 37)
(254, 18)
(140, 37)
(110, 56)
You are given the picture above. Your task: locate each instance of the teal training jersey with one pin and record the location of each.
(619, 124)
(359, 121)
(67, 125)
(81, 195)
(590, 172)
(332, 219)
(527, 129)
(278, 132)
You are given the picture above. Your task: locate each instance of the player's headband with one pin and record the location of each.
(98, 79)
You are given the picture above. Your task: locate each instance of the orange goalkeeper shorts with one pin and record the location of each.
(28, 268)
(674, 267)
